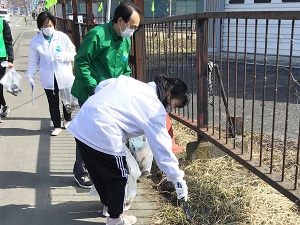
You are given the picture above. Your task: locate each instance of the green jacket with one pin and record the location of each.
(6, 42)
(3, 53)
(102, 55)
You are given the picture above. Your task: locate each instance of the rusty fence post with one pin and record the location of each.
(64, 25)
(89, 14)
(139, 54)
(139, 48)
(202, 64)
(75, 25)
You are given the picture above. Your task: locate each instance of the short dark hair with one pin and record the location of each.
(45, 16)
(125, 10)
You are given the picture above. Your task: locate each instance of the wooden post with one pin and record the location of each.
(89, 14)
(63, 5)
(76, 25)
(202, 63)
(139, 49)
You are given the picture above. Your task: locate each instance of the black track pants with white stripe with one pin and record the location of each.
(109, 174)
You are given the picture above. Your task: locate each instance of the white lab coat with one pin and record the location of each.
(122, 108)
(42, 58)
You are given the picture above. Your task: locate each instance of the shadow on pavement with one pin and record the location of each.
(20, 132)
(67, 213)
(18, 179)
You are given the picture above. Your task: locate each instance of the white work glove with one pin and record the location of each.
(31, 82)
(181, 189)
(60, 56)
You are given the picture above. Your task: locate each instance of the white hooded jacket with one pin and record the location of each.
(122, 108)
(43, 58)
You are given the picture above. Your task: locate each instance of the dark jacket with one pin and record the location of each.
(8, 41)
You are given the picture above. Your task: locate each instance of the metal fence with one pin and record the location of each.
(242, 71)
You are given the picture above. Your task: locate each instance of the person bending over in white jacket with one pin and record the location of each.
(51, 52)
(123, 108)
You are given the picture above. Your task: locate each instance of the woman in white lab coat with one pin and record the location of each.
(51, 52)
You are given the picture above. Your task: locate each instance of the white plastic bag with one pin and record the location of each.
(11, 81)
(141, 151)
(63, 74)
(134, 174)
(69, 101)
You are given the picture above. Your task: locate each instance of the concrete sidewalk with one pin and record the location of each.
(36, 180)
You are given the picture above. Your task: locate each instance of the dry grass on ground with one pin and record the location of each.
(221, 191)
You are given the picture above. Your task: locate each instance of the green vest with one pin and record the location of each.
(3, 53)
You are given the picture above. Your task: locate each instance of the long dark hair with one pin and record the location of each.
(176, 87)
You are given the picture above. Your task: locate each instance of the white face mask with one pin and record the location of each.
(127, 33)
(48, 31)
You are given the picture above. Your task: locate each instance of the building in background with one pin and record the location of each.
(166, 8)
(153, 8)
(262, 5)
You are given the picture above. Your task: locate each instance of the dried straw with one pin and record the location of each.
(221, 191)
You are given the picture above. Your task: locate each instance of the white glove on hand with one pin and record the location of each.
(181, 189)
(31, 82)
(60, 57)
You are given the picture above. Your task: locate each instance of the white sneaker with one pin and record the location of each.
(105, 209)
(121, 220)
(66, 123)
(56, 131)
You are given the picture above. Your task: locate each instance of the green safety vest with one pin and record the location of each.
(2, 45)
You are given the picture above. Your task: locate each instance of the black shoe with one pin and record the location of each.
(83, 181)
(5, 111)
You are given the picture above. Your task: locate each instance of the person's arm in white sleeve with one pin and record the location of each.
(33, 63)
(161, 145)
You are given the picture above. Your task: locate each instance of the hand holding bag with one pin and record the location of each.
(11, 81)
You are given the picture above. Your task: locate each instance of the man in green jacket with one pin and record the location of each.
(103, 54)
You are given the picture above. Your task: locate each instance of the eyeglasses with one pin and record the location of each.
(131, 26)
